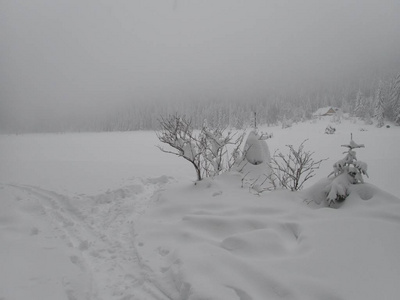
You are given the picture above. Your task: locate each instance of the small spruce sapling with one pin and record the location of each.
(346, 171)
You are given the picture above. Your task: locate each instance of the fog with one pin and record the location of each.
(63, 59)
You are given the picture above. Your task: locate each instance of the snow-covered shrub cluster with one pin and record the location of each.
(213, 145)
(346, 171)
(206, 150)
(330, 129)
(291, 171)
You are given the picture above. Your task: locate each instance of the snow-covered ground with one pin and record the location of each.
(109, 216)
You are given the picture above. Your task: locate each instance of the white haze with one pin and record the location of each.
(68, 58)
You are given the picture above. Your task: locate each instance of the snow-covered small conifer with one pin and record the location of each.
(346, 171)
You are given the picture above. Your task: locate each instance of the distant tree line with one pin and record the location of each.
(383, 104)
(377, 100)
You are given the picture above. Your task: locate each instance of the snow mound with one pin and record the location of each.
(256, 150)
(217, 241)
(318, 195)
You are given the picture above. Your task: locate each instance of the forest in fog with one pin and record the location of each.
(380, 99)
(121, 65)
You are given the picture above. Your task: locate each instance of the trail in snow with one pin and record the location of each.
(101, 230)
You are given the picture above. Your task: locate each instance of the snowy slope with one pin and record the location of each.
(217, 241)
(109, 216)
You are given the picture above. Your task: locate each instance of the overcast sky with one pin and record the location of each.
(60, 57)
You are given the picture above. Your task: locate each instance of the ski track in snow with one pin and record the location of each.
(102, 230)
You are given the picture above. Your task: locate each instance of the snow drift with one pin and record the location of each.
(217, 241)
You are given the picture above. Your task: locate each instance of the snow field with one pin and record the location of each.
(109, 216)
(85, 163)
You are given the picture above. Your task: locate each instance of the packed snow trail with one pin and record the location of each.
(101, 231)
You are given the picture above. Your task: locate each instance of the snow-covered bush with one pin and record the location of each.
(330, 129)
(291, 171)
(254, 163)
(213, 146)
(206, 150)
(256, 150)
(346, 171)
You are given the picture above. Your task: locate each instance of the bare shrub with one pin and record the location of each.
(291, 171)
(330, 129)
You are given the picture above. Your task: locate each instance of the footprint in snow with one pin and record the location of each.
(219, 193)
(281, 241)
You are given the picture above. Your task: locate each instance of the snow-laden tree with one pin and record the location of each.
(379, 106)
(364, 108)
(206, 149)
(286, 123)
(359, 104)
(368, 119)
(272, 114)
(394, 100)
(213, 146)
(346, 171)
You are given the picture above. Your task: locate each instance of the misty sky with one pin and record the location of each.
(59, 57)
